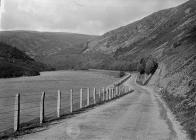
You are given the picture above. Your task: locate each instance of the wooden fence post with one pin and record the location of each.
(88, 97)
(59, 104)
(103, 94)
(110, 92)
(106, 94)
(17, 113)
(99, 94)
(115, 92)
(81, 98)
(42, 108)
(114, 89)
(94, 96)
(71, 100)
(119, 91)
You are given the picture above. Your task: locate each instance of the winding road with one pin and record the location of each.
(139, 115)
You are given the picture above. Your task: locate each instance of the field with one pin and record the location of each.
(31, 88)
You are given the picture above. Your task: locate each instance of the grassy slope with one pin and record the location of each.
(15, 63)
(56, 49)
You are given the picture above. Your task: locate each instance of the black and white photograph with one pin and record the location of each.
(97, 69)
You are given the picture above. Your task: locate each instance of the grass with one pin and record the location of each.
(184, 109)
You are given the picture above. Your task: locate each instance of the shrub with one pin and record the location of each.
(147, 65)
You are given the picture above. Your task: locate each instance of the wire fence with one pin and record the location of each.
(30, 110)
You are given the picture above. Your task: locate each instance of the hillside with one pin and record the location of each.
(160, 34)
(14, 63)
(170, 37)
(157, 31)
(52, 48)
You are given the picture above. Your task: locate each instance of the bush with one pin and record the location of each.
(147, 65)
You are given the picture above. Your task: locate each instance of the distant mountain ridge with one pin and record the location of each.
(52, 48)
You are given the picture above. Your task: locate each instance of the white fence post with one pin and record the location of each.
(110, 93)
(106, 94)
(103, 94)
(99, 94)
(71, 100)
(17, 113)
(59, 104)
(88, 96)
(81, 98)
(42, 108)
(94, 96)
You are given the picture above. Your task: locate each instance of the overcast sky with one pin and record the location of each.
(79, 16)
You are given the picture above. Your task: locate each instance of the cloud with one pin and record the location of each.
(81, 16)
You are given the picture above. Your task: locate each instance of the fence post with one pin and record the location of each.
(114, 92)
(88, 96)
(42, 108)
(81, 98)
(99, 94)
(110, 92)
(106, 94)
(71, 100)
(103, 94)
(94, 96)
(118, 90)
(17, 113)
(59, 104)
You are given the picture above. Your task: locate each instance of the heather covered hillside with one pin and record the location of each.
(164, 34)
(14, 63)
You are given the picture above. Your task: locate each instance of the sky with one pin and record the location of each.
(77, 16)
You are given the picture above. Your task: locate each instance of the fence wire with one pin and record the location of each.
(30, 106)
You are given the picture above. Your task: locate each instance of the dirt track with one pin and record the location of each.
(137, 116)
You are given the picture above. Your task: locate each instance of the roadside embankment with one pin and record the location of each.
(179, 99)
